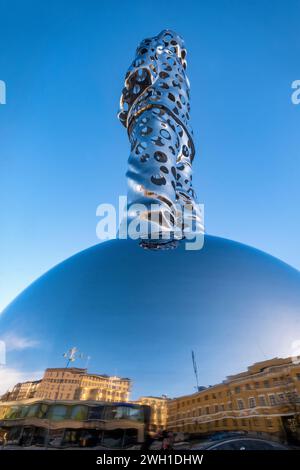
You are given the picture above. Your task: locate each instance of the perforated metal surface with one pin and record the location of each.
(154, 107)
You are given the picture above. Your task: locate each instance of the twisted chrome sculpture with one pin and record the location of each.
(154, 107)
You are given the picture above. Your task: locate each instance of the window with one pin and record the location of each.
(207, 410)
(33, 410)
(14, 435)
(13, 412)
(216, 409)
(71, 437)
(89, 437)
(58, 412)
(96, 412)
(272, 400)
(298, 376)
(39, 437)
(3, 411)
(252, 403)
(79, 413)
(266, 384)
(55, 438)
(42, 410)
(124, 412)
(135, 413)
(237, 389)
(262, 400)
(240, 404)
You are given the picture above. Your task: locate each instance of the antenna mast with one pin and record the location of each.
(195, 370)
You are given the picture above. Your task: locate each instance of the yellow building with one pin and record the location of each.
(23, 391)
(159, 411)
(264, 399)
(104, 388)
(60, 383)
(76, 384)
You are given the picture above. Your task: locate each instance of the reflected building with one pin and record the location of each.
(22, 391)
(104, 388)
(67, 424)
(263, 400)
(72, 383)
(159, 412)
(77, 384)
(60, 383)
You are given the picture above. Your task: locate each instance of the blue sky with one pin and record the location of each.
(63, 151)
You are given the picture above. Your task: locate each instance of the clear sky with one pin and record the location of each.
(63, 152)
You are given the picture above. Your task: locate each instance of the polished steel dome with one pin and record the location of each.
(139, 313)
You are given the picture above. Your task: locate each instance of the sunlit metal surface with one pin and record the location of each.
(155, 107)
(138, 314)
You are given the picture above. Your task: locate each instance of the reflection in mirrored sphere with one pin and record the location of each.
(139, 313)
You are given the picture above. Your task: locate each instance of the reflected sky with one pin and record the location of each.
(63, 151)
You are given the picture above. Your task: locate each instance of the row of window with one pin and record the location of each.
(238, 389)
(226, 423)
(52, 395)
(266, 383)
(214, 396)
(252, 402)
(68, 381)
(279, 398)
(104, 383)
(59, 412)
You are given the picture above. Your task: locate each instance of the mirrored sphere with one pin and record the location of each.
(139, 313)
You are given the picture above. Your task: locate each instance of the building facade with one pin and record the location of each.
(77, 384)
(104, 388)
(264, 399)
(23, 391)
(67, 424)
(159, 412)
(60, 383)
